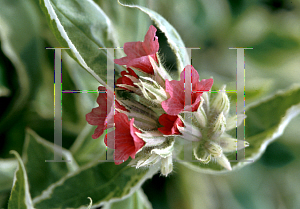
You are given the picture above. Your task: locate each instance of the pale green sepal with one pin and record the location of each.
(144, 158)
(229, 144)
(223, 161)
(164, 150)
(221, 102)
(201, 154)
(188, 135)
(152, 138)
(201, 115)
(160, 73)
(130, 88)
(189, 132)
(135, 106)
(166, 165)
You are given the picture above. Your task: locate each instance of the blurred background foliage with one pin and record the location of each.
(271, 27)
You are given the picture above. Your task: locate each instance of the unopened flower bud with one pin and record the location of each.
(205, 99)
(201, 154)
(221, 102)
(214, 149)
(219, 126)
(152, 90)
(201, 115)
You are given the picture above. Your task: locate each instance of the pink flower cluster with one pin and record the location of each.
(127, 142)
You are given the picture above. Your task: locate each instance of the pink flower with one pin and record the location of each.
(98, 116)
(127, 143)
(137, 52)
(170, 123)
(126, 80)
(176, 103)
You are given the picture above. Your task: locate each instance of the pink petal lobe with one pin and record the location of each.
(127, 143)
(138, 52)
(138, 142)
(122, 61)
(150, 43)
(175, 104)
(176, 89)
(142, 63)
(194, 74)
(170, 123)
(98, 115)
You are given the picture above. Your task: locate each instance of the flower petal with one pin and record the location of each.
(137, 52)
(151, 44)
(98, 116)
(175, 104)
(125, 80)
(127, 143)
(176, 89)
(170, 124)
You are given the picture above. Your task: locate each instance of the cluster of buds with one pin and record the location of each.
(149, 111)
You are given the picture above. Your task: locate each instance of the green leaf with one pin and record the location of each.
(137, 200)
(277, 155)
(21, 44)
(130, 25)
(266, 121)
(171, 34)
(7, 170)
(82, 81)
(86, 149)
(84, 28)
(4, 196)
(4, 90)
(42, 174)
(274, 49)
(103, 182)
(20, 197)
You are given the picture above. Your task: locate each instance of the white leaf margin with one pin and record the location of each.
(64, 35)
(46, 194)
(66, 154)
(28, 200)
